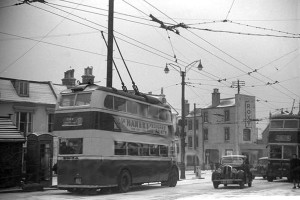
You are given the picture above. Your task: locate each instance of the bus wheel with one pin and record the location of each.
(173, 177)
(72, 190)
(270, 178)
(124, 181)
(216, 185)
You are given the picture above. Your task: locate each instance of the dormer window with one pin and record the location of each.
(21, 87)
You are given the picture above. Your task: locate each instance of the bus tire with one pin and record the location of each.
(124, 181)
(173, 177)
(270, 178)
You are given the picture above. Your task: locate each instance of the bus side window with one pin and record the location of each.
(142, 110)
(153, 112)
(133, 149)
(120, 148)
(144, 151)
(163, 150)
(119, 104)
(154, 150)
(132, 107)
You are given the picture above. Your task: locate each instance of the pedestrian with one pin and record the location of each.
(295, 170)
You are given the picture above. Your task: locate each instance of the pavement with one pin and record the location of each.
(190, 178)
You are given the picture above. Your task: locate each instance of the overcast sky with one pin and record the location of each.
(254, 41)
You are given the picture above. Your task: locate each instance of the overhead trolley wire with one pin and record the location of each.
(215, 47)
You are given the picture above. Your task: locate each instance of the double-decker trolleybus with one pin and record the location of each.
(283, 142)
(113, 139)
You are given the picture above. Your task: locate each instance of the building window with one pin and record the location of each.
(21, 87)
(50, 122)
(24, 122)
(197, 124)
(246, 134)
(228, 152)
(205, 117)
(227, 115)
(227, 134)
(196, 141)
(205, 134)
(190, 141)
(190, 125)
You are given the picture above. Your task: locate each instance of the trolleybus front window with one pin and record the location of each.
(67, 100)
(83, 99)
(277, 124)
(275, 151)
(291, 124)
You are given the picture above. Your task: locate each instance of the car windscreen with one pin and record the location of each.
(234, 161)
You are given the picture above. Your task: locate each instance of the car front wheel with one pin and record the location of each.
(242, 184)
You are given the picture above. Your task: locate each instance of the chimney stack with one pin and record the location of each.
(88, 77)
(215, 98)
(69, 79)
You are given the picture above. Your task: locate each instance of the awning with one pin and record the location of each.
(9, 132)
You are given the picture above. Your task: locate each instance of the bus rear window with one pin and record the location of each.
(70, 146)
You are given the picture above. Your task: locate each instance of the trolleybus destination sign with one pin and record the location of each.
(135, 125)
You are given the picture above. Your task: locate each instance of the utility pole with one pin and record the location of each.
(182, 135)
(110, 43)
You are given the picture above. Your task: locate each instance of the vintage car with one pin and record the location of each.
(234, 169)
(260, 170)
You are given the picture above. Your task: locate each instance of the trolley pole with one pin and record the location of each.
(110, 43)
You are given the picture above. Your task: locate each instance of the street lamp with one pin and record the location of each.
(182, 135)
